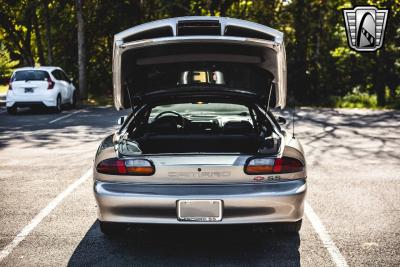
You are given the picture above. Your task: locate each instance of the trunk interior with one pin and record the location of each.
(206, 128)
(199, 143)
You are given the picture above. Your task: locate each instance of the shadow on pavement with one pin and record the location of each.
(187, 246)
(347, 134)
(32, 128)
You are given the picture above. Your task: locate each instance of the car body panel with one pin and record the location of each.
(242, 203)
(196, 169)
(246, 198)
(270, 52)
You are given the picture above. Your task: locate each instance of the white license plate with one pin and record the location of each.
(199, 210)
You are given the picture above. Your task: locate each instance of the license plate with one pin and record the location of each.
(199, 210)
(28, 90)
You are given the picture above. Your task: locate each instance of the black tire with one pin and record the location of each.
(111, 228)
(12, 110)
(58, 107)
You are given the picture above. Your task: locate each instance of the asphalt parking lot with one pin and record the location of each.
(48, 212)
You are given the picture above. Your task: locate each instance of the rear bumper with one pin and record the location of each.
(242, 203)
(31, 104)
(46, 100)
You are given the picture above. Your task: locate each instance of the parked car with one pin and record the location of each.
(201, 145)
(47, 87)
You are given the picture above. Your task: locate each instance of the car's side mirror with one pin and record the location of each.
(281, 120)
(121, 120)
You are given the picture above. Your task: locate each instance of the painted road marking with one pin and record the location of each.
(333, 250)
(41, 215)
(65, 116)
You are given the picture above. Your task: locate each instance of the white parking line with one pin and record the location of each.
(41, 215)
(65, 116)
(337, 257)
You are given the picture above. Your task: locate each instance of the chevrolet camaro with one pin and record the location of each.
(201, 144)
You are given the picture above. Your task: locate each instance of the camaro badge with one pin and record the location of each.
(365, 27)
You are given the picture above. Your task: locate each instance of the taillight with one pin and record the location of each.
(271, 166)
(126, 167)
(50, 83)
(259, 166)
(286, 164)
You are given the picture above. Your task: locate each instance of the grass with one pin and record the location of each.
(3, 89)
(356, 100)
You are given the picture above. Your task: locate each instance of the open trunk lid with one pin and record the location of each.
(192, 56)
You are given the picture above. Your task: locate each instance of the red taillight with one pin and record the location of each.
(50, 83)
(126, 167)
(112, 166)
(286, 164)
(271, 166)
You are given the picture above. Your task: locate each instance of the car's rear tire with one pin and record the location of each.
(58, 107)
(12, 110)
(111, 228)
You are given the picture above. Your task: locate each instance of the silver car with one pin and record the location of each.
(201, 145)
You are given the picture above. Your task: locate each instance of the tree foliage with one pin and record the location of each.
(320, 63)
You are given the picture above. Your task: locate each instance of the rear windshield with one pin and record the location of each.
(202, 109)
(31, 75)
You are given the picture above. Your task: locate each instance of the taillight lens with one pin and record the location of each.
(139, 167)
(259, 166)
(126, 167)
(286, 164)
(271, 166)
(50, 83)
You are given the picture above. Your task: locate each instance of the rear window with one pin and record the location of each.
(31, 75)
(202, 109)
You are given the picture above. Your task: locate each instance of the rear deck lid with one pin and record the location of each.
(199, 55)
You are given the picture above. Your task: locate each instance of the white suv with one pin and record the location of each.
(40, 86)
